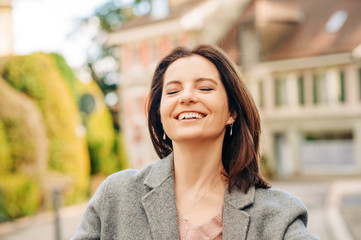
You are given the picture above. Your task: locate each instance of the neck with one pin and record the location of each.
(197, 165)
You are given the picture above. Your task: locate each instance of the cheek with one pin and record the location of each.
(221, 103)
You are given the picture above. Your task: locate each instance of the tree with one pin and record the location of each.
(102, 60)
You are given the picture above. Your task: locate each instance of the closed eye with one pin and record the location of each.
(172, 92)
(206, 89)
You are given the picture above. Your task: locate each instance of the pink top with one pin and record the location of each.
(211, 230)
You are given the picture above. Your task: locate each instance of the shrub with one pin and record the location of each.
(5, 153)
(103, 141)
(100, 132)
(267, 169)
(23, 152)
(39, 78)
(19, 196)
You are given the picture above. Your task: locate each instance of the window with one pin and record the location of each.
(328, 87)
(281, 92)
(315, 88)
(342, 88)
(301, 90)
(359, 82)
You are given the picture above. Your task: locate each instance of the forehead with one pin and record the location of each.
(194, 66)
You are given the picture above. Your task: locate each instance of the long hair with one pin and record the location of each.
(240, 152)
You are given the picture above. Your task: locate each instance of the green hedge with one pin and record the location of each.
(23, 153)
(101, 136)
(5, 152)
(38, 77)
(19, 196)
(39, 147)
(67, 73)
(107, 154)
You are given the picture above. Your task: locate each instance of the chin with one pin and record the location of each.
(194, 137)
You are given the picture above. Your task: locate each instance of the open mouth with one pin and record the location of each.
(190, 115)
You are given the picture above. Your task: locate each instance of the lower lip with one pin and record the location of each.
(190, 119)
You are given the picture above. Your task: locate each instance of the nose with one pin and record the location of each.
(188, 97)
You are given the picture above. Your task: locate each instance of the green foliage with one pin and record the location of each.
(5, 153)
(67, 73)
(101, 136)
(19, 196)
(111, 15)
(22, 153)
(39, 118)
(266, 168)
(120, 151)
(37, 75)
(101, 142)
(22, 141)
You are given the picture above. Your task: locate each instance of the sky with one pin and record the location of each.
(45, 25)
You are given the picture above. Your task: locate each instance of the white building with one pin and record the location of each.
(302, 62)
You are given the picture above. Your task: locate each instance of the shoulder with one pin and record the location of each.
(278, 204)
(150, 176)
(278, 214)
(127, 178)
(277, 198)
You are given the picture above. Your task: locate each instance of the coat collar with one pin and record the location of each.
(160, 205)
(235, 219)
(160, 171)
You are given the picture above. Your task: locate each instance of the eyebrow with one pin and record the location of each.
(197, 81)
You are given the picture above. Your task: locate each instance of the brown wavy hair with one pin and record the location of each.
(240, 153)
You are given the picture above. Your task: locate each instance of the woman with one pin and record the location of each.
(205, 126)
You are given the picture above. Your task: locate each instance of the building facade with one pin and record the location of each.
(302, 64)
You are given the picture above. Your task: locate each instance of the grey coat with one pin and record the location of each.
(140, 204)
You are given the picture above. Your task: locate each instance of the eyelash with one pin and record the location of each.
(206, 89)
(172, 92)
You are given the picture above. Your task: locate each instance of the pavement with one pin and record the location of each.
(334, 207)
(42, 226)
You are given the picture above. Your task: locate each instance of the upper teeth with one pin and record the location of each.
(189, 115)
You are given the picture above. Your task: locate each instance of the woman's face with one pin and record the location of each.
(194, 103)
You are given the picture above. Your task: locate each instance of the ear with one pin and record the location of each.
(232, 118)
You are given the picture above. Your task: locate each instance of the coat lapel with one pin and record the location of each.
(159, 204)
(235, 219)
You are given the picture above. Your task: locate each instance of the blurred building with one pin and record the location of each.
(303, 65)
(6, 28)
(301, 59)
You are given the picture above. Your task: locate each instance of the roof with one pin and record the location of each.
(173, 14)
(205, 18)
(310, 38)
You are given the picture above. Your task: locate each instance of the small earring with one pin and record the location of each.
(164, 136)
(230, 132)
